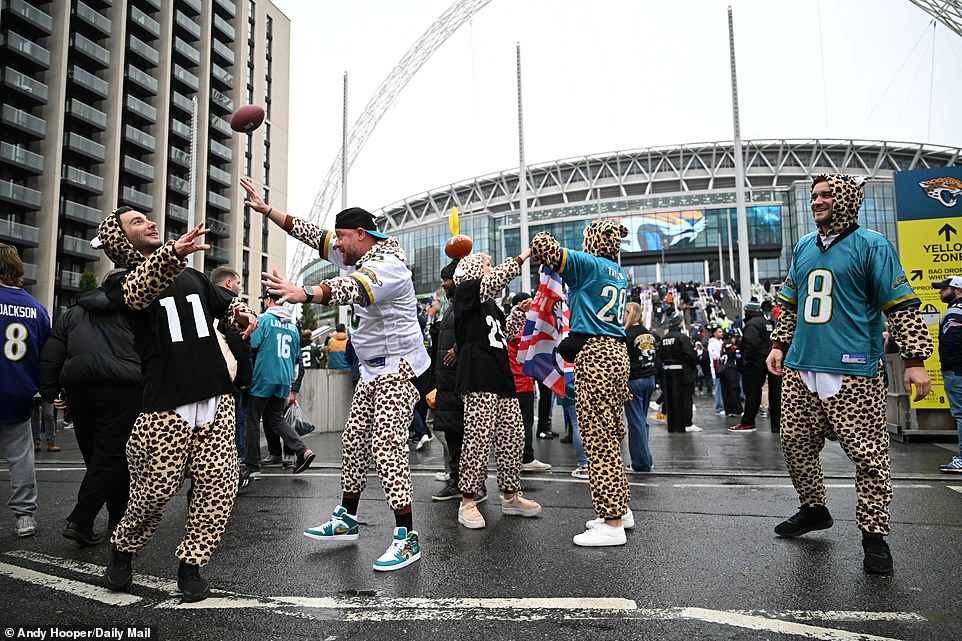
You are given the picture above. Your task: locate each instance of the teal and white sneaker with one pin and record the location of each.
(341, 527)
(404, 550)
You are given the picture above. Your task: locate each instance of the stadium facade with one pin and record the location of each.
(676, 202)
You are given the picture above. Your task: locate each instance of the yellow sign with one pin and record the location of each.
(930, 251)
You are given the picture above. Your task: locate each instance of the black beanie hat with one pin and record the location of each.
(447, 272)
(520, 297)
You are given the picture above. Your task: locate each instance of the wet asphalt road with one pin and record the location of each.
(701, 563)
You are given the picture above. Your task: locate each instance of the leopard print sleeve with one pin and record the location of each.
(143, 284)
(305, 231)
(343, 290)
(499, 277)
(514, 322)
(911, 335)
(784, 330)
(547, 250)
(230, 317)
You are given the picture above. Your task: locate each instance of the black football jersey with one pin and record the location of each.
(481, 345)
(180, 356)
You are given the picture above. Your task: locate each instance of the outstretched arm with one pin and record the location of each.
(301, 229)
(547, 251)
(500, 275)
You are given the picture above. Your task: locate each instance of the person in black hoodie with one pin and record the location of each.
(755, 346)
(90, 363)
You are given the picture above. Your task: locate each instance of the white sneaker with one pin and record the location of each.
(470, 517)
(693, 428)
(520, 506)
(26, 526)
(444, 477)
(627, 521)
(427, 438)
(721, 413)
(535, 466)
(601, 536)
(580, 472)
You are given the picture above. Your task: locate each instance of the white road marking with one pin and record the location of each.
(957, 488)
(899, 486)
(146, 580)
(76, 588)
(784, 627)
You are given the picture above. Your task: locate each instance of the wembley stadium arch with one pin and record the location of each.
(676, 202)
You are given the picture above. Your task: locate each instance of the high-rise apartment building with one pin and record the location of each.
(97, 103)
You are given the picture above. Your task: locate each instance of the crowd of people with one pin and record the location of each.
(199, 373)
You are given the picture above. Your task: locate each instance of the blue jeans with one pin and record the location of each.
(952, 383)
(719, 403)
(636, 411)
(571, 418)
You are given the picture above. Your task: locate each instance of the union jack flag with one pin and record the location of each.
(545, 326)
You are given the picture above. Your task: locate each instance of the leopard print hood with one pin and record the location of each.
(847, 196)
(603, 238)
(471, 267)
(112, 239)
(389, 245)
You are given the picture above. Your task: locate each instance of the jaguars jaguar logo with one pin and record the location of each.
(946, 190)
(665, 230)
(901, 280)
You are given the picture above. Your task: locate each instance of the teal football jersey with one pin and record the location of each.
(839, 295)
(597, 293)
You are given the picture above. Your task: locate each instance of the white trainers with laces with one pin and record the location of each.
(535, 466)
(693, 428)
(26, 526)
(470, 517)
(627, 521)
(520, 506)
(601, 536)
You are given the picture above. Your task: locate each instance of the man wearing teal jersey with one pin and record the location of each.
(843, 278)
(597, 289)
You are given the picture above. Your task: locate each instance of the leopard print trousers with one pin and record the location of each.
(162, 451)
(381, 413)
(491, 419)
(855, 417)
(601, 390)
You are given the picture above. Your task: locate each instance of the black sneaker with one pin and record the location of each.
(878, 558)
(271, 461)
(243, 479)
(191, 584)
(804, 521)
(449, 492)
(118, 574)
(304, 459)
(85, 536)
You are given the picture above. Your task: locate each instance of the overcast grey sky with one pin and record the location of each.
(603, 76)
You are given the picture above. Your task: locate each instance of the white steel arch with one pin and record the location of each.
(948, 12)
(449, 22)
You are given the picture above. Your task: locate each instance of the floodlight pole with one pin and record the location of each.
(523, 184)
(744, 276)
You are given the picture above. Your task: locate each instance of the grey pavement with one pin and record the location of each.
(701, 563)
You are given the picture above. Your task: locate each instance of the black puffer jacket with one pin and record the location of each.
(449, 408)
(91, 344)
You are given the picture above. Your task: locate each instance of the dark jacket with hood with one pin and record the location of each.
(91, 344)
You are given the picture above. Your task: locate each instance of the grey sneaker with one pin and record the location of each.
(26, 526)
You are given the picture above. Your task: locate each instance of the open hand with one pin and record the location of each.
(185, 244)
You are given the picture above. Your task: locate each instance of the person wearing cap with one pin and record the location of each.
(187, 419)
(679, 361)
(756, 343)
(827, 345)
(950, 358)
(389, 345)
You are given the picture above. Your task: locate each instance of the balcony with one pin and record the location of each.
(217, 254)
(89, 81)
(193, 5)
(11, 192)
(85, 147)
(142, 109)
(91, 50)
(227, 7)
(220, 176)
(20, 119)
(218, 227)
(75, 212)
(186, 23)
(143, 140)
(221, 151)
(29, 50)
(221, 74)
(178, 213)
(19, 233)
(145, 51)
(189, 80)
(25, 85)
(93, 17)
(186, 50)
(29, 274)
(221, 125)
(148, 24)
(182, 102)
(222, 50)
(154, 3)
(70, 280)
(180, 157)
(80, 248)
(82, 179)
(218, 201)
(180, 129)
(29, 13)
(178, 184)
(20, 157)
(137, 198)
(142, 79)
(139, 169)
(88, 114)
(224, 27)
(221, 100)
